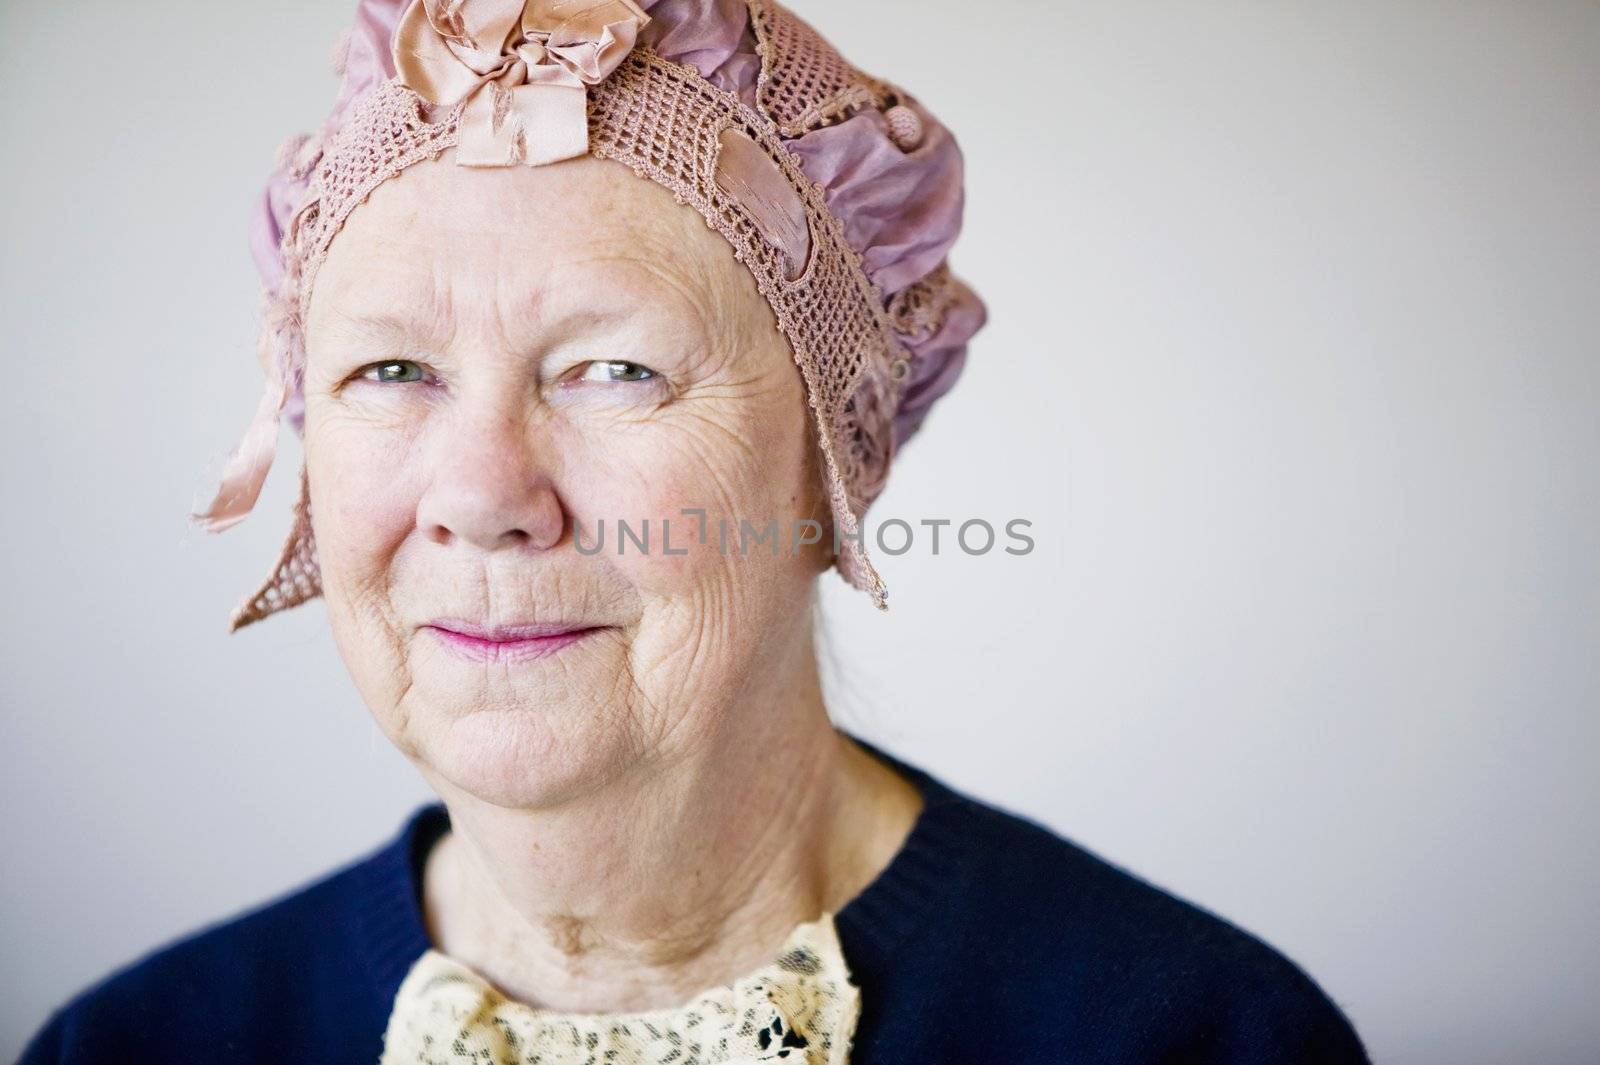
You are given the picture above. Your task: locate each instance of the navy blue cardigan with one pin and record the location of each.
(988, 938)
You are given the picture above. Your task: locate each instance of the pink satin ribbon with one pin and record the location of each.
(246, 470)
(523, 66)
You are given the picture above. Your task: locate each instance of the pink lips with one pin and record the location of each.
(512, 643)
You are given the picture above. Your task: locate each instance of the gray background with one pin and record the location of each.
(1292, 365)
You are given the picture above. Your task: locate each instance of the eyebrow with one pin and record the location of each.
(378, 317)
(369, 325)
(384, 324)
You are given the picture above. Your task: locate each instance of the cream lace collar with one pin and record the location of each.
(799, 1009)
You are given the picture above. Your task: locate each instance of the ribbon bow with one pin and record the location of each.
(523, 66)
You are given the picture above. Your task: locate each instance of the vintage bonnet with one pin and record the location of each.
(838, 190)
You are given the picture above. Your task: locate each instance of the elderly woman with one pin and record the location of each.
(564, 300)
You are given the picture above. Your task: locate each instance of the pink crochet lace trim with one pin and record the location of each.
(805, 83)
(665, 122)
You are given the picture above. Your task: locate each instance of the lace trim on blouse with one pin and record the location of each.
(799, 1009)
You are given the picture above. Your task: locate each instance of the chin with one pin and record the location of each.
(527, 756)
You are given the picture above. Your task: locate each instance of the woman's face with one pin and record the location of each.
(494, 355)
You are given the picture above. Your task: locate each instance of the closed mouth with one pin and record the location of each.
(508, 642)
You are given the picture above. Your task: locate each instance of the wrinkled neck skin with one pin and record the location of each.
(685, 872)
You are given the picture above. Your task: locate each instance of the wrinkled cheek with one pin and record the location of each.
(709, 608)
(669, 549)
(363, 500)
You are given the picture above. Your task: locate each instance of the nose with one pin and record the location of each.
(490, 489)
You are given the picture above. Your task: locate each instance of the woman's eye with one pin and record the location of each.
(395, 371)
(606, 371)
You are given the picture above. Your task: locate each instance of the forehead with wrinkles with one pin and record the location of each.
(469, 249)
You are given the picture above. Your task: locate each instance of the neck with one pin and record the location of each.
(680, 872)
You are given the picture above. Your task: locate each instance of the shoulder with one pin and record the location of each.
(224, 991)
(1133, 963)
